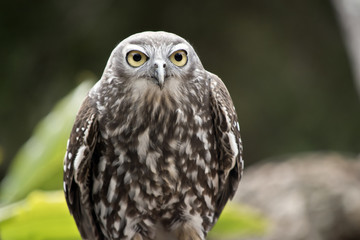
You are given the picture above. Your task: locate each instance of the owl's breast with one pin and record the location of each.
(161, 139)
(156, 158)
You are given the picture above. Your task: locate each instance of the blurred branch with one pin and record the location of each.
(349, 15)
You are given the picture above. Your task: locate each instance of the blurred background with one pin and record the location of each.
(290, 67)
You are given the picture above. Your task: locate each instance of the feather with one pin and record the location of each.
(77, 179)
(228, 142)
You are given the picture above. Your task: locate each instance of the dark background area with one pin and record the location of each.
(284, 63)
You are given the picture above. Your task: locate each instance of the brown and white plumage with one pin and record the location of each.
(155, 151)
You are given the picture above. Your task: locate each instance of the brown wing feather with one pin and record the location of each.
(77, 169)
(228, 142)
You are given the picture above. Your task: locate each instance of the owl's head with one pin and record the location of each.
(153, 58)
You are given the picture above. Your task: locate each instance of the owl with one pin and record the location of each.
(155, 150)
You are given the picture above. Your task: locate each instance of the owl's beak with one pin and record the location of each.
(159, 74)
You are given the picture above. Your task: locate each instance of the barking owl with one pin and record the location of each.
(155, 150)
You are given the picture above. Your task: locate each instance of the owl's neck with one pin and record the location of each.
(144, 104)
(147, 93)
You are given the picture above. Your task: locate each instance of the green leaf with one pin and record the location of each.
(42, 215)
(39, 162)
(238, 220)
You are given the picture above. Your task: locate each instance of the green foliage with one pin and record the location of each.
(42, 215)
(238, 220)
(38, 163)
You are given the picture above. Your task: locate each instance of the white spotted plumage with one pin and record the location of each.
(79, 157)
(153, 158)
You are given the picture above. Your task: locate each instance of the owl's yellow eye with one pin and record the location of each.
(136, 58)
(179, 58)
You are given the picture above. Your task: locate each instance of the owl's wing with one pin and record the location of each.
(77, 171)
(229, 146)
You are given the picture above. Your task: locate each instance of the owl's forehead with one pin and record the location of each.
(154, 42)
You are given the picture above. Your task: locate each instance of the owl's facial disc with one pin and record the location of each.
(157, 63)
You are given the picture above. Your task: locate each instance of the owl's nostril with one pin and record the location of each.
(156, 65)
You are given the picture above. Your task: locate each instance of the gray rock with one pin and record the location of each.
(310, 196)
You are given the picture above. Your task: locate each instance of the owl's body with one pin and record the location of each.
(155, 151)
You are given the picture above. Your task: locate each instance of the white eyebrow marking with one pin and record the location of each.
(130, 47)
(180, 46)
